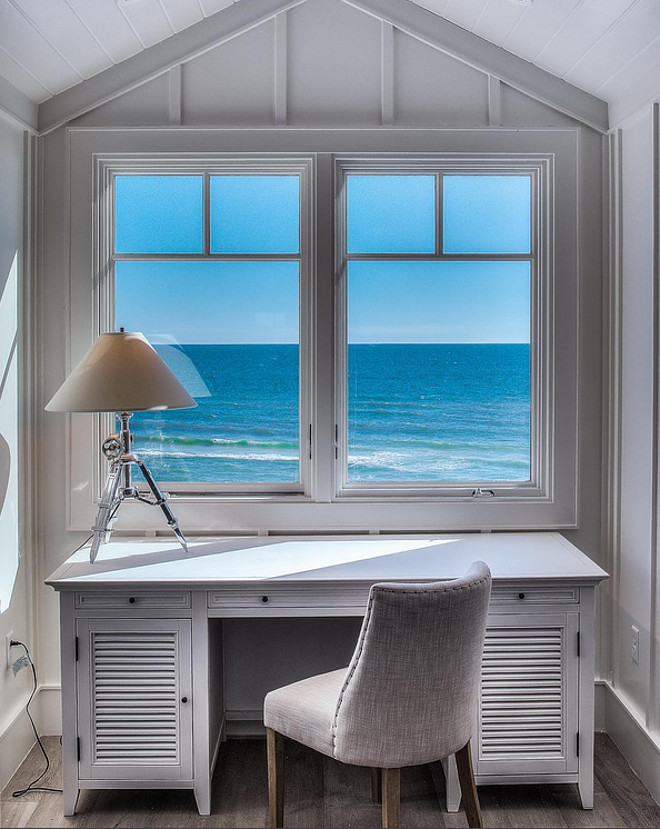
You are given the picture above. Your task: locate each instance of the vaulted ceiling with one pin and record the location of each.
(605, 47)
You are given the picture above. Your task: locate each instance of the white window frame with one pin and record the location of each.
(541, 318)
(107, 171)
(322, 507)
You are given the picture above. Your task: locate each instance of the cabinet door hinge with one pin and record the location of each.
(310, 441)
(577, 744)
(77, 648)
(336, 441)
(578, 644)
(78, 747)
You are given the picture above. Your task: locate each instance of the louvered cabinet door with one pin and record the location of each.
(528, 702)
(134, 691)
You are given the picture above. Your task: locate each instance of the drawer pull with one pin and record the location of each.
(131, 600)
(184, 700)
(521, 595)
(264, 599)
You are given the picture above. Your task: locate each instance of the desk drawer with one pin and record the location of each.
(519, 596)
(135, 600)
(271, 598)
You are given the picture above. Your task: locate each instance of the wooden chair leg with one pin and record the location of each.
(275, 751)
(376, 786)
(391, 793)
(470, 798)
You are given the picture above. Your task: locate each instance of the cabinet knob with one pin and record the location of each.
(521, 595)
(131, 600)
(184, 700)
(264, 599)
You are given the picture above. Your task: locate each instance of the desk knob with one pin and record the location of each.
(131, 600)
(521, 595)
(264, 599)
(184, 700)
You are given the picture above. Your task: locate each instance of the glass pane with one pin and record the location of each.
(439, 371)
(158, 214)
(255, 214)
(487, 214)
(229, 331)
(391, 214)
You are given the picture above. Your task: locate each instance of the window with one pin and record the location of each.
(440, 271)
(383, 338)
(209, 266)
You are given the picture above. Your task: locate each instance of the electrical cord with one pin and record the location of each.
(32, 787)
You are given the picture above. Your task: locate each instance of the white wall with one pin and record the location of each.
(15, 604)
(633, 712)
(332, 76)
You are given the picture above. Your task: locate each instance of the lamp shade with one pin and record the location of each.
(121, 372)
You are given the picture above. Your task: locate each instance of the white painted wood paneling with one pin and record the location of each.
(148, 21)
(333, 49)
(234, 83)
(589, 21)
(60, 25)
(36, 54)
(109, 26)
(213, 6)
(182, 13)
(433, 88)
(634, 31)
(23, 80)
(498, 18)
(538, 27)
(464, 13)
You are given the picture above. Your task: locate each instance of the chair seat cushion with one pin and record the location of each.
(305, 711)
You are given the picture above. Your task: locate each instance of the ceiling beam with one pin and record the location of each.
(482, 54)
(17, 107)
(154, 61)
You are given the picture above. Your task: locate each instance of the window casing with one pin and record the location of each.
(325, 501)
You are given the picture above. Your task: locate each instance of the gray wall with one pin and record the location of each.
(332, 67)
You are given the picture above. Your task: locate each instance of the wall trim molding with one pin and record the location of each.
(628, 731)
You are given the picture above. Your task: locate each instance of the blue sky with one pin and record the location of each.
(389, 301)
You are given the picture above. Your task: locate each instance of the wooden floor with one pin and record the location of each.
(320, 792)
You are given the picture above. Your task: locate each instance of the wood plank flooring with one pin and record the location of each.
(322, 793)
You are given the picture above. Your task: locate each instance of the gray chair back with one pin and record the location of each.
(411, 689)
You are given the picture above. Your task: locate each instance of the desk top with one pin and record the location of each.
(512, 557)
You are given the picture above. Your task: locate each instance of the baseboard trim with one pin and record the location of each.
(629, 733)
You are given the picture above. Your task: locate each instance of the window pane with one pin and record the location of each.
(255, 214)
(439, 371)
(487, 214)
(391, 214)
(229, 331)
(158, 214)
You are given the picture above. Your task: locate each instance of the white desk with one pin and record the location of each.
(142, 662)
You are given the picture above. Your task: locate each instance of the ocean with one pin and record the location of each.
(440, 412)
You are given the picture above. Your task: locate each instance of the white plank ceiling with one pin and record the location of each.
(604, 47)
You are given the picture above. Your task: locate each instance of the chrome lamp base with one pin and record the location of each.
(119, 486)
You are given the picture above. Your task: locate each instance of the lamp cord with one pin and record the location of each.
(32, 787)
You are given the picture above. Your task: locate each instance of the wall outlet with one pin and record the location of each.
(8, 649)
(634, 644)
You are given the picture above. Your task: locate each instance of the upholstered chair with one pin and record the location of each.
(408, 696)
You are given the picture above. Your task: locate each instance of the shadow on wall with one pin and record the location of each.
(5, 466)
(9, 399)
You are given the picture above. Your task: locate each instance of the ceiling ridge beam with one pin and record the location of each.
(157, 59)
(17, 107)
(481, 54)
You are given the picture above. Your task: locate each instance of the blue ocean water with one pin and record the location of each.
(416, 412)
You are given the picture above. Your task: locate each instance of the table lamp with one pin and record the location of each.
(122, 373)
